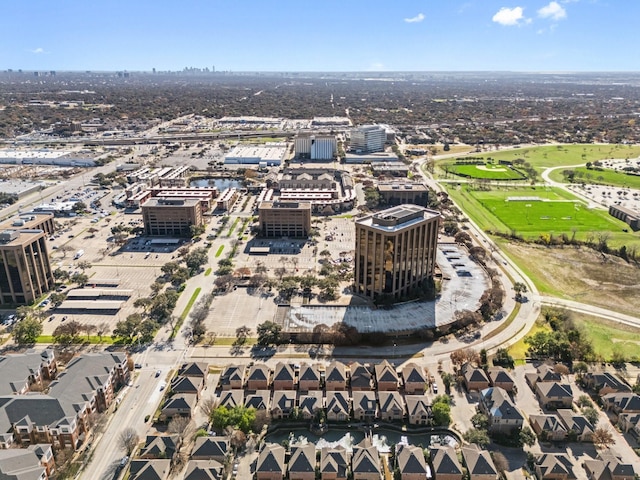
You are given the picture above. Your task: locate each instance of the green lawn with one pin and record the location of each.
(208, 272)
(93, 339)
(219, 251)
(608, 338)
(599, 177)
(233, 226)
(542, 210)
(488, 171)
(558, 155)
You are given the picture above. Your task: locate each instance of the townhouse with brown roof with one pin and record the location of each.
(411, 463)
(283, 404)
(232, 377)
(603, 383)
(310, 403)
(479, 463)
(258, 400)
(308, 377)
(623, 402)
(548, 428)
(500, 377)
(391, 406)
(284, 377)
(445, 463)
(576, 424)
(335, 378)
(365, 462)
(365, 406)
(204, 470)
(630, 422)
(361, 377)
(194, 369)
(258, 377)
(215, 448)
(475, 379)
(553, 466)
(414, 378)
(386, 377)
(160, 446)
(191, 385)
(231, 398)
(334, 463)
(418, 409)
(179, 405)
(543, 373)
(338, 406)
(503, 415)
(609, 466)
(302, 464)
(270, 464)
(149, 469)
(554, 395)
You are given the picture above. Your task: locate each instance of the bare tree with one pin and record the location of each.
(181, 425)
(208, 405)
(101, 329)
(128, 440)
(602, 437)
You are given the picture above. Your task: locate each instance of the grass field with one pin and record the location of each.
(488, 171)
(575, 274)
(559, 155)
(544, 210)
(600, 177)
(608, 338)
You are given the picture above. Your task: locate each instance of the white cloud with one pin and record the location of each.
(554, 11)
(510, 16)
(418, 18)
(38, 50)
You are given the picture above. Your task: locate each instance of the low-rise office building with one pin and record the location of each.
(285, 219)
(171, 217)
(398, 193)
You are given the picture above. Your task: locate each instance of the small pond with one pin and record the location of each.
(382, 438)
(219, 183)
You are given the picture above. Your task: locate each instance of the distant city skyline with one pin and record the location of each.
(320, 35)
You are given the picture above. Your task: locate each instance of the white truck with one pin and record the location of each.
(78, 254)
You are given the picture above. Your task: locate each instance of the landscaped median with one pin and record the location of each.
(185, 312)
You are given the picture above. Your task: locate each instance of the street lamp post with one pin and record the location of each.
(394, 353)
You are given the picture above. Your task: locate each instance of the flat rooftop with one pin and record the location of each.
(397, 218)
(399, 186)
(173, 202)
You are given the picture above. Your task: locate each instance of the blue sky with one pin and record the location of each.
(320, 35)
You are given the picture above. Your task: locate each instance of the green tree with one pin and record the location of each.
(591, 414)
(79, 278)
(526, 437)
(480, 421)
(128, 329)
(478, 436)
(169, 267)
(239, 417)
(67, 333)
(268, 333)
(196, 259)
(441, 413)
(27, 331)
(57, 298)
(520, 289)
